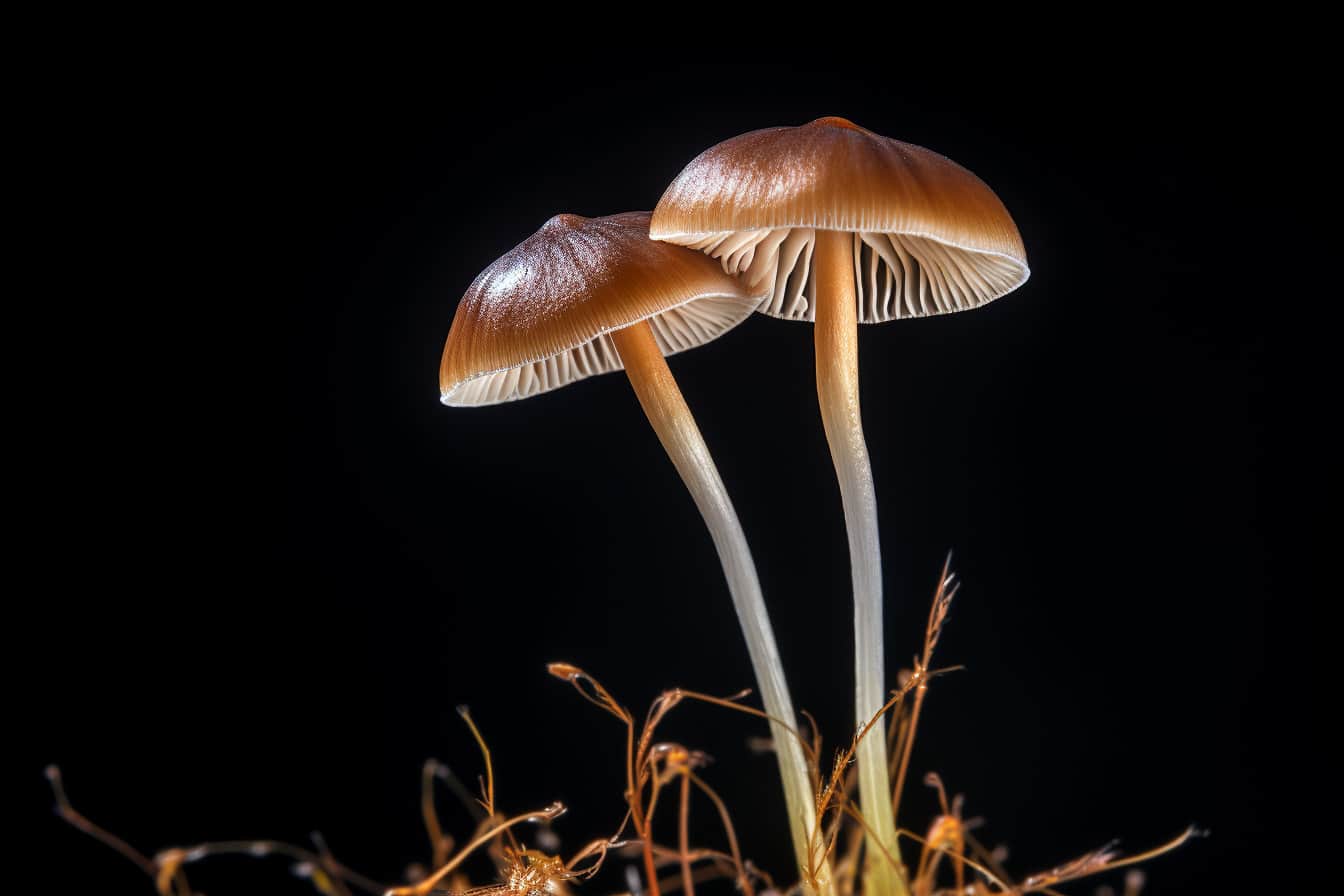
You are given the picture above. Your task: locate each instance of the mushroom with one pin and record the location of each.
(585, 296)
(844, 226)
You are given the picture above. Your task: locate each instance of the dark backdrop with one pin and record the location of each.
(281, 564)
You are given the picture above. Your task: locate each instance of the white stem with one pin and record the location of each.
(837, 349)
(672, 421)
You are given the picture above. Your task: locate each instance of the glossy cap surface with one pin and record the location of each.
(931, 237)
(538, 318)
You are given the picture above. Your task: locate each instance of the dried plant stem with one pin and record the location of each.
(79, 822)
(837, 353)
(684, 835)
(672, 421)
(439, 844)
(425, 886)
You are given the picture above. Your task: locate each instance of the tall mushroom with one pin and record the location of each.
(584, 296)
(844, 226)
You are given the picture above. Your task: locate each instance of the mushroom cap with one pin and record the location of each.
(538, 318)
(929, 236)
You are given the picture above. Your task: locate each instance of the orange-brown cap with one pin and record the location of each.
(538, 318)
(930, 237)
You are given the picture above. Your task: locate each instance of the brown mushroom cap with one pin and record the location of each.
(930, 237)
(538, 318)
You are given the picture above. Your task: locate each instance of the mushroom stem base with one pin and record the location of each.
(672, 421)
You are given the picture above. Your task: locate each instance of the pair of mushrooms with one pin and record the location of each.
(827, 222)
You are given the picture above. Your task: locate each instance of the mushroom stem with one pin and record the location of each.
(837, 346)
(672, 421)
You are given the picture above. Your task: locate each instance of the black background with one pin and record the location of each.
(279, 564)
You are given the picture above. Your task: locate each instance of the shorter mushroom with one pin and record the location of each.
(584, 296)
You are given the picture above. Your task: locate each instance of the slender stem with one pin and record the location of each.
(907, 746)
(838, 393)
(672, 421)
(684, 836)
(743, 878)
(79, 822)
(429, 813)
